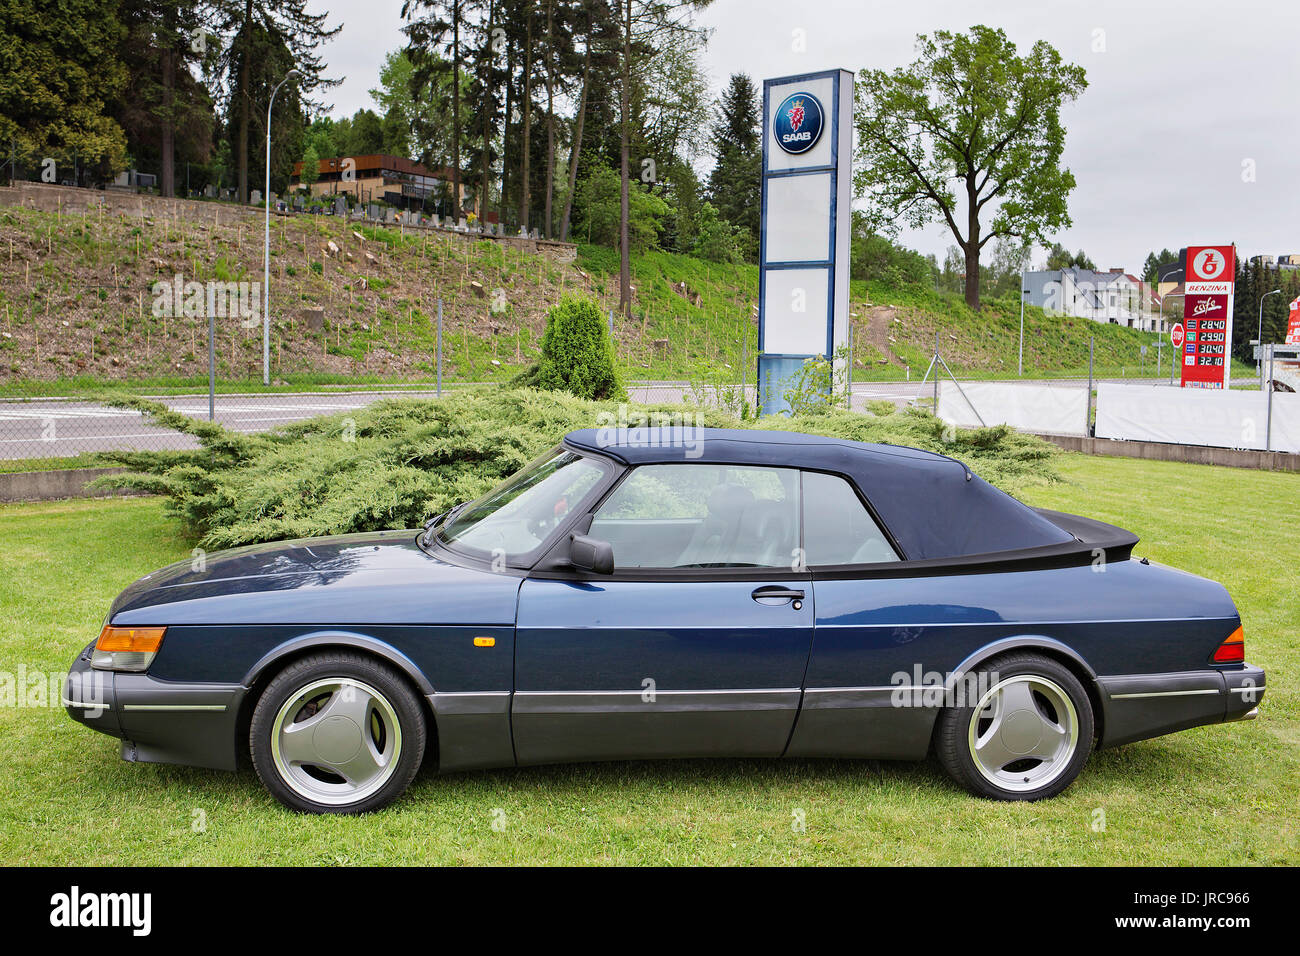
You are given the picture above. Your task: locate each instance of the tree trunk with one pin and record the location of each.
(575, 151)
(244, 103)
(487, 116)
(550, 112)
(166, 145)
(505, 133)
(971, 247)
(528, 120)
(455, 113)
(972, 286)
(625, 253)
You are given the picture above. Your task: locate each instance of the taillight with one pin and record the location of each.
(126, 648)
(1232, 650)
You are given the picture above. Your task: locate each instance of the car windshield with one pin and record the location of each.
(520, 513)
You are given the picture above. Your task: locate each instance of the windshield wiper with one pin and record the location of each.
(441, 518)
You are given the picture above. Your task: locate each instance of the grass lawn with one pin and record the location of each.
(1214, 795)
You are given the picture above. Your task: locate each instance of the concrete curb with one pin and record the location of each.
(1191, 454)
(54, 485)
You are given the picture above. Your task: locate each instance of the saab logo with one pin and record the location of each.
(798, 123)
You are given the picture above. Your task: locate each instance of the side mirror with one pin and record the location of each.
(591, 554)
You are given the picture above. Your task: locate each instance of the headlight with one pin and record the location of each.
(126, 648)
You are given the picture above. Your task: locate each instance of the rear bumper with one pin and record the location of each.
(1139, 706)
(157, 721)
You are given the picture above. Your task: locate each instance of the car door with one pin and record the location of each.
(849, 703)
(695, 645)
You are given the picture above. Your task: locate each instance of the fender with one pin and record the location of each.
(350, 639)
(1028, 642)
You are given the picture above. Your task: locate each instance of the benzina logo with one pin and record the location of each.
(104, 910)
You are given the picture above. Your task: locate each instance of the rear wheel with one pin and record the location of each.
(1027, 735)
(337, 732)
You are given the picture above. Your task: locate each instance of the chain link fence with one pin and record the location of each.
(108, 293)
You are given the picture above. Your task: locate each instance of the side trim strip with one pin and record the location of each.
(89, 705)
(1166, 693)
(215, 707)
(731, 700)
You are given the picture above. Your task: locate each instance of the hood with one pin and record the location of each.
(379, 577)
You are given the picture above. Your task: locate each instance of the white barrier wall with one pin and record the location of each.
(1055, 410)
(1195, 416)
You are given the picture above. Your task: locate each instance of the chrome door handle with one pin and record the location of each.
(776, 593)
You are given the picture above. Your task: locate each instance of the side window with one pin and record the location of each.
(702, 516)
(838, 529)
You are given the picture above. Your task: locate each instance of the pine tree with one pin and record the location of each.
(735, 185)
(62, 65)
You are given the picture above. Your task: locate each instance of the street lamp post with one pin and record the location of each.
(1259, 336)
(266, 242)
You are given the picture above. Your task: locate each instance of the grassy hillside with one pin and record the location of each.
(76, 307)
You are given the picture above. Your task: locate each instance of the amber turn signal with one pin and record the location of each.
(126, 648)
(139, 640)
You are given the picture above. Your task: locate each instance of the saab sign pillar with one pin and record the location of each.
(803, 270)
(1207, 315)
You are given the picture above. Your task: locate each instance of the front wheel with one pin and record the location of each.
(1027, 735)
(337, 732)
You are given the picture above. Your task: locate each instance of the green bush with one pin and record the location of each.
(577, 353)
(397, 461)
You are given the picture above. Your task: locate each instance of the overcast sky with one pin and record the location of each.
(1185, 103)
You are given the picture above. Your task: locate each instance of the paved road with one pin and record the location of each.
(53, 428)
(57, 428)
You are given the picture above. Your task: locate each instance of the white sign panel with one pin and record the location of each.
(1050, 409)
(1219, 417)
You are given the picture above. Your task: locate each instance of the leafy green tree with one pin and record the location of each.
(872, 256)
(1154, 260)
(59, 68)
(419, 127)
(366, 135)
(683, 196)
(969, 116)
(577, 353)
(661, 32)
(599, 202)
(1059, 257)
(310, 167)
(718, 240)
(437, 42)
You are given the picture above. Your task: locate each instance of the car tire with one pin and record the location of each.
(1025, 733)
(337, 732)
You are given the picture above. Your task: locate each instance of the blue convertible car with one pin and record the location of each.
(652, 593)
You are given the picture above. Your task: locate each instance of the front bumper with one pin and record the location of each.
(157, 721)
(1139, 706)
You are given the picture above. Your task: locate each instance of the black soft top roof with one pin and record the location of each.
(933, 505)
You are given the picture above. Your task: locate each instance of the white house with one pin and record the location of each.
(1114, 296)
